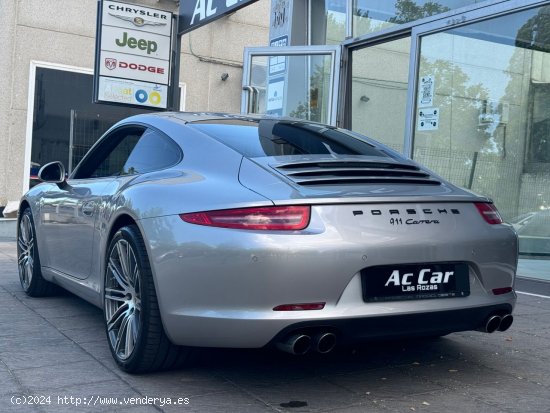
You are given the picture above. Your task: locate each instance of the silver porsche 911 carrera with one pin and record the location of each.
(208, 230)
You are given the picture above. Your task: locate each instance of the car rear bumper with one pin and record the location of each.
(253, 329)
(218, 287)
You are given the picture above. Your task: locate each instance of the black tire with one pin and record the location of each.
(131, 309)
(28, 259)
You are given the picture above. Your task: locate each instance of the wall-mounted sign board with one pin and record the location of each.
(197, 13)
(133, 55)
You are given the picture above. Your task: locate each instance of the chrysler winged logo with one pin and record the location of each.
(110, 63)
(138, 21)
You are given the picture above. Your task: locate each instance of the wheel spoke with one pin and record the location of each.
(118, 277)
(135, 326)
(122, 251)
(130, 339)
(22, 243)
(22, 258)
(135, 275)
(121, 334)
(117, 316)
(115, 295)
(28, 231)
(24, 275)
(22, 229)
(28, 266)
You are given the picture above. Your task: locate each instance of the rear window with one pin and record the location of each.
(271, 137)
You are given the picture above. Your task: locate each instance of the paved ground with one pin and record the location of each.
(54, 349)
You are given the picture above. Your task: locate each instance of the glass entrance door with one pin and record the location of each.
(379, 89)
(482, 119)
(301, 82)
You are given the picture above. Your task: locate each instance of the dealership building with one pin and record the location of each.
(462, 86)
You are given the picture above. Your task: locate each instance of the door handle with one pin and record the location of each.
(253, 98)
(88, 208)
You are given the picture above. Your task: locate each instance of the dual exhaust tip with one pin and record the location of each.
(498, 323)
(300, 344)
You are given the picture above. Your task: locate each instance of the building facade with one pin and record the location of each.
(462, 86)
(46, 112)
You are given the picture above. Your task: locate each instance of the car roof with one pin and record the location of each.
(191, 117)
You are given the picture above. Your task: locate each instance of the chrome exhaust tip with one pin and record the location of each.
(297, 344)
(324, 343)
(492, 324)
(505, 322)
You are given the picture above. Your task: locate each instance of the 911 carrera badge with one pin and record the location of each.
(396, 215)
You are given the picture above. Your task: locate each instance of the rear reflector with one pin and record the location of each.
(500, 291)
(279, 218)
(489, 213)
(300, 307)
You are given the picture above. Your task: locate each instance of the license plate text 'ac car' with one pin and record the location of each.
(415, 281)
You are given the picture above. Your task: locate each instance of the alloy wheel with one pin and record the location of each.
(123, 299)
(25, 259)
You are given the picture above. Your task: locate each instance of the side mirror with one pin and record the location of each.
(53, 172)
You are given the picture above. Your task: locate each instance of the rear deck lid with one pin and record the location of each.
(287, 160)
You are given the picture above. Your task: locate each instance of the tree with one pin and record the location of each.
(408, 10)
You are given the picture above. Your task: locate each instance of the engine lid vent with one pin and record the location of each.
(339, 172)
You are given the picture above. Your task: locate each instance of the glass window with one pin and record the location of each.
(110, 157)
(370, 16)
(482, 116)
(379, 91)
(129, 151)
(152, 152)
(328, 21)
(292, 85)
(539, 123)
(276, 138)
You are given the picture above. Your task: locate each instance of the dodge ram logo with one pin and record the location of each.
(110, 63)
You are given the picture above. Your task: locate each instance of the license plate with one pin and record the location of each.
(415, 281)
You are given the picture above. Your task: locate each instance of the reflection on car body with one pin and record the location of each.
(240, 231)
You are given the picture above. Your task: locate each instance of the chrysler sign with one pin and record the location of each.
(133, 55)
(196, 13)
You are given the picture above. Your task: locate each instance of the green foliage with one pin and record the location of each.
(408, 10)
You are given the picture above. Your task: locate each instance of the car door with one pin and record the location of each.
(69, 212)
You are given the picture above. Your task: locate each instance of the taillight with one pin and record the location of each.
(299, 307)
(489, 213)
(280, 218)
(503, 290)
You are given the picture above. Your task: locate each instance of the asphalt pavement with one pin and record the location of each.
(54, 358)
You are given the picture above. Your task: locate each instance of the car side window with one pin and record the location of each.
(113, 164)
(128, 151)
(152, 152)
